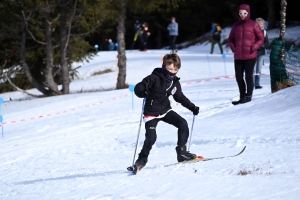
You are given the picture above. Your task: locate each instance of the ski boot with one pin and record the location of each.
(183, 154)
(139, 164)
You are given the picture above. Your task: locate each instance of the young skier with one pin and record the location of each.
(157, 88)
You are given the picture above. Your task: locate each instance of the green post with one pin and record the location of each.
(277, 56)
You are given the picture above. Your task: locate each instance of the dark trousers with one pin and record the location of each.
(143, 38)
(240, 67)
(171, 118)
(216, 39)
(213, 42)
(172, 40)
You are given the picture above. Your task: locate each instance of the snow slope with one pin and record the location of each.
(78, 146)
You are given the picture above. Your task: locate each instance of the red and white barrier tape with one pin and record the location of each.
(101, 102)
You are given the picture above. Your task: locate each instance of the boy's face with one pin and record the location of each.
(171, 68)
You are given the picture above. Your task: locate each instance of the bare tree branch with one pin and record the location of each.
(17, 88)
(26, 24)
(69, 31)
(86, 33)
(56, 72)
(54, 20)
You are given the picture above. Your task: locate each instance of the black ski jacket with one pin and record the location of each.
(157, 100)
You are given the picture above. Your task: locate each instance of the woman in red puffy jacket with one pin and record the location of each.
(245, 39)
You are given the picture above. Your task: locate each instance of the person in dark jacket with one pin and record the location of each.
(156, 89)
(260, 52)
(245, 39)
(144, 35)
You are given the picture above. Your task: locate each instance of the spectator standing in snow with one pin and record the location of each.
(137, 26)
(156, 89)
(111, 45)
(105, 44)
(137, 29)
(245, 39)
(173, 33)
(215, 36)
(261, 52)
(144, 35)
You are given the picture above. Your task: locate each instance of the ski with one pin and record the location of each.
(130, 168)
(135, 38)
(135, 170)
(197, 159)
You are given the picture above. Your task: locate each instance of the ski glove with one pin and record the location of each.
(195, 110)
(141, 90)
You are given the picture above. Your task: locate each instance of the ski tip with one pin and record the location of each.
(241, 151)
(130, 168)
(199, 157)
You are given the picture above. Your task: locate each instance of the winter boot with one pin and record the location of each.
(248, 99)
(183, 154)
(242, 100)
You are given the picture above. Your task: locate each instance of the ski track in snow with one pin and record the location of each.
(84, 154)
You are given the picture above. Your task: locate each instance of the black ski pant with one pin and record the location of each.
(240, 67)
(171, 118)
(143, 41)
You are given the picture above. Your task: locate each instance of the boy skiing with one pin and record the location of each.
(156, 88)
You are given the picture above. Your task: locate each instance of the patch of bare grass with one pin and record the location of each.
(102, 72)
(284, 84)
(244, 172)
(253, 171)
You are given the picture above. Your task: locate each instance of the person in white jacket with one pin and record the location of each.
(173, 33)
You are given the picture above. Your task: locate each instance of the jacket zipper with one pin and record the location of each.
(151, 102)
(243, 42)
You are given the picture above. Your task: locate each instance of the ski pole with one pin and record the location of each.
(137, 139)
(208, 64)
(191, 132)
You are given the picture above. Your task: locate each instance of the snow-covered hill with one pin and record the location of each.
(78, 146)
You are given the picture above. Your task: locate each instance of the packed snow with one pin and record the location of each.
(78, 146)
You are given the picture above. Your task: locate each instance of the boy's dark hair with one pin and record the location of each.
(168, 59)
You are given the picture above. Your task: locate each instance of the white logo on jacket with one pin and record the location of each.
(174, 90)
